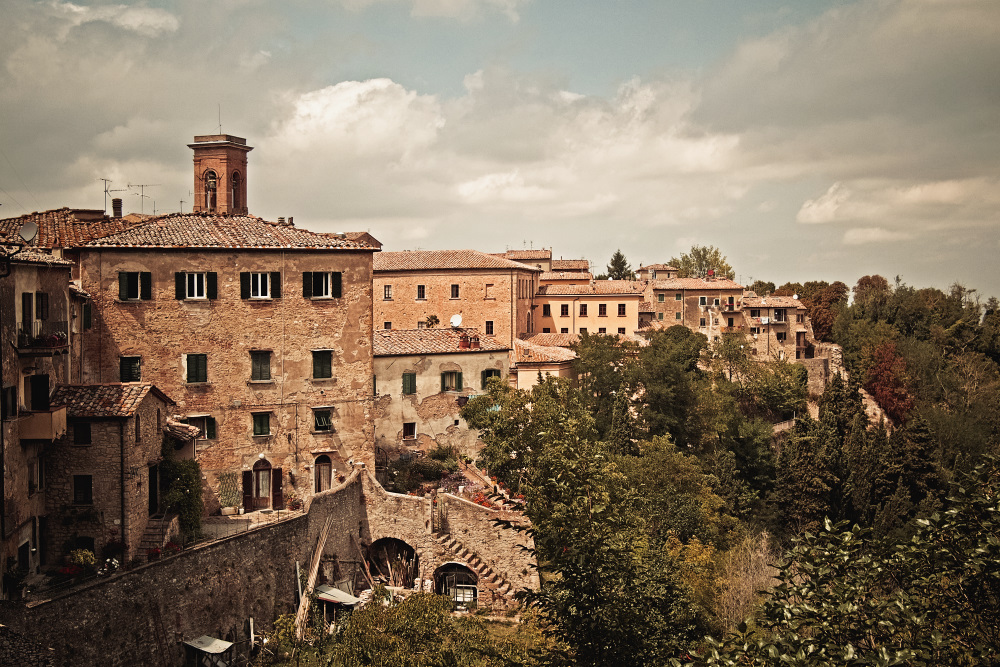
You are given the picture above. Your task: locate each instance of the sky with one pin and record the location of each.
(806, 139)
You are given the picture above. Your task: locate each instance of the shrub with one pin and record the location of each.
(83, 558)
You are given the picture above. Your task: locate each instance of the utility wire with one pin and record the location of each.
(23, 185)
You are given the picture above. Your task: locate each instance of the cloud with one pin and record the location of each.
(863, 236)
(145, 21)
(461, 9)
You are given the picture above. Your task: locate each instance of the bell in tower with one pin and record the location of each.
(220, 174)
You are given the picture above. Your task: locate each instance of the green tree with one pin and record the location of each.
(619, 268)
(602, 366)
(761, 287)
(622, 424)
(700, 260)
(667, 381)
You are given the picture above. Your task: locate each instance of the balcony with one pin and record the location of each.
(43, 424)
(739, 328)
(42, 338)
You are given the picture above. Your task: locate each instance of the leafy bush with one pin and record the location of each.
(83, 558)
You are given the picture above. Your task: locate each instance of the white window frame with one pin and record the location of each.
(260, 285)
(325, 285)
(195, 286)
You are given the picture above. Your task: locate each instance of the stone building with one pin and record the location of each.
(540, 259)
(531, 360)
(103, 481)
(494, 295)
(656, 272)
(423, 377)
(707, 305)
(565, 278)
(779, 327)
(601, 307)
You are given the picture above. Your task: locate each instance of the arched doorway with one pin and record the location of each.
(322, 473)
(393, 562)
(457, 581)
(262, 487)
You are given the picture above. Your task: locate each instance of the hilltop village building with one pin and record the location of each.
(598, 307)
(423, 377)
(424, 288)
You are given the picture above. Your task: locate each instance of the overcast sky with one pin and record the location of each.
(806, 139)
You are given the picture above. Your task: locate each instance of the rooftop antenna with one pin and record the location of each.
(220, 118)
(182, 205)
(107, 191)
(142, 193)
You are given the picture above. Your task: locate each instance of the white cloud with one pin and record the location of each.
(866, 235)
(146, 21)
(463, 9)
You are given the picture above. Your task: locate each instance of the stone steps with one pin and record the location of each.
(153, 537)
(490, 578)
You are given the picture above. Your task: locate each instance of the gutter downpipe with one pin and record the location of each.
(121, 440)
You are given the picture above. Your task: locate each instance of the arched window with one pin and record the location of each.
(235, 200)
(322, 471)
(211, 189)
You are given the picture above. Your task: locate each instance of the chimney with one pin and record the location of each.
(116, 206)
(281, 220)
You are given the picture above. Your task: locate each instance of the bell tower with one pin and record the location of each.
(220, 174)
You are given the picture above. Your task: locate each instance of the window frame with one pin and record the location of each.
(192, 374)
(323, 424)
(421, 292)
(455, 291)
(317, 356)
(702, 300)
(489, 327)
(135, 361)
(322, 285)
(564, 310)
(260, 421)
(602, 310)
(83, 495)
(621, 331)
(409, 382)
(387, 292)
(488, 373)
(546, 310)
(583, 310)
(142, 287)
(410, 427)
(83, 434)
(259, 370)
(451, 381)
(622, 310)
(661, 297)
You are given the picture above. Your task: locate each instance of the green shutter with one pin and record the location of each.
(244, 285)
(275, 284)
(145, 285)
(336, 287)
(210, 428)
(444, 383)
(307, 284)
(458, 382)
(212, 285)
(180, 288)
(484, 378)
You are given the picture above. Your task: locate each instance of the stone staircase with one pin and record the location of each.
(488, 578)
(156, 533)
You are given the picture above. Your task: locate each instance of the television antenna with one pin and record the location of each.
(109, 191)
(142, 193)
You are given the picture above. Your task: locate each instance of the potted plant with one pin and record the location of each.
(153, 554)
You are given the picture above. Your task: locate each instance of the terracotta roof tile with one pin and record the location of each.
(570, 265)
(627, 287)
(658, 267)
(521, 255)
(553, 339)
(695, 284)
(566, 275)
(645, 307)
(180, 430)
(32, 257)
(209, 230)
(65, 227)
(118, 399)
(393, 342)
(527, 352)
(771, 302)
(418, 260)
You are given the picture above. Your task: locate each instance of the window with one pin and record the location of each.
(409, 430)
(454, 291)
(583, 310)
(546, 310)
(129, 369)
(489, 373)
(138, 428)
(702, 301)
(701, 322)
(677, 315)
(564, 330)
(489, 327)
(755, 312)
(755, 330)
(621, 331)
(583, 330)
(387, 293)
(41, 306)
(196, 285)
(659, 316)
(321, 284)
(602, 310)
(799, 318)
(451, 381)
(260, 366)
(421, 324)
(235, 198)
(197, 368)
(621, 310)
(135, 286)
(716, 302)
(546, 330)
(87, 313)
(260, 285)
(323, 472)
(205, 424)
(36, 476)
(602, 330)
(678, 296)
(262, 423)
(387, 325)
(564, 310)
(322, 421)
(409, 383)
(661, 297)
(81, 433)
(83, 490)
(780, 336)
(779, 315)
(421, 291)
(322, 364)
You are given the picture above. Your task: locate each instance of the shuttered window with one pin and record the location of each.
(260, 366)
(130, 369)
(451, 381)
(321, 284)
(262, 423)
(197, 368)
(489, 373)
(322, 364)
(409, 383)
(135, 286)
(322, 420)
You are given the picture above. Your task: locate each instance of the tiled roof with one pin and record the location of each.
(772, 302)
(180, 430)
(521, 255)
(695, 284)
(566, 275)
(119, 399)
(32, 257)
(528, 352)
(210, 230)
(392, 342)
(658, 267)
(597, 287)
(570, 265)
(65, 227)
(645, 307)
(417, 260)
(553, 339)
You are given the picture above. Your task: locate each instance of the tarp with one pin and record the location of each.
(207, 644)
(331, 594)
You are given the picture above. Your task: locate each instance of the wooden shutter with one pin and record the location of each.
(42, 306)
(180, 285)
(210, 428)
(275, 284)
(87, 316)
(248, 491)
(336, 286)
(39, 385)
(27, 310)
(122, 285)
(244, 285)
(145, 285)
(277, 497)
(307, 284)
(458, 382)
(444, 382)
(212, 285)
(486, 376)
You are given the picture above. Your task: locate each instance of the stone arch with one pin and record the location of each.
(393, 561)
(458, 581)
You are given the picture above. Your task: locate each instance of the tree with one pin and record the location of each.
(761, 287)
(622, 429)
(603, 364)
(667, 377)
(700, 260)
(619, 268)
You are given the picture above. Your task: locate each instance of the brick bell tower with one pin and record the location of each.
(220, 174)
